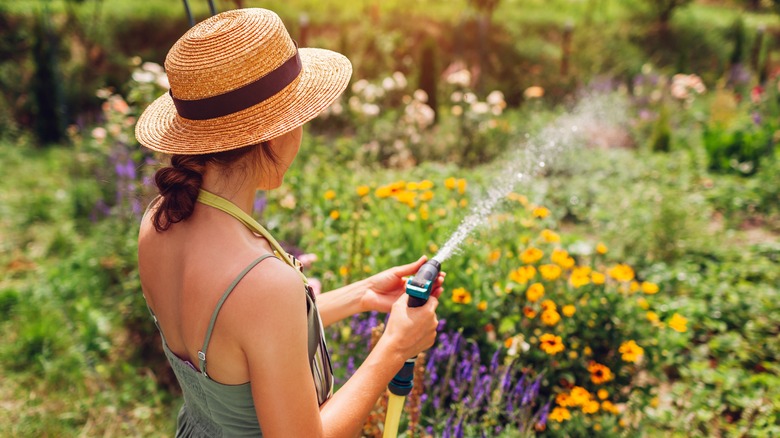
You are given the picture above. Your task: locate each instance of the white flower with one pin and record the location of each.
(370, 109)
(144, 77)
(456, 96)
(460, 78)
(162, 81)
(420, 95)
(99, 133)
(470, 98)
(288, 201)
(358, 86)
(456, 110)
(400, 79)
(495, 98)
(388, 83)
(480, 107)
(152, 67)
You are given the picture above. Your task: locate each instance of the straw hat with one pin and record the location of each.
(238, 79)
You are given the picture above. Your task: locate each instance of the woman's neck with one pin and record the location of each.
(237, 187)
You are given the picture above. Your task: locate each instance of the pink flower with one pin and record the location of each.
(316, 286)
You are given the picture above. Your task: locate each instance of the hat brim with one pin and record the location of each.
(324, 76)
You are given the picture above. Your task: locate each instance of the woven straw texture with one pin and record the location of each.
(226, 52)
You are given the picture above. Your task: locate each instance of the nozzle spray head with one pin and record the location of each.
(419, 287)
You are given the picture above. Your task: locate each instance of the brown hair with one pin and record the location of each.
(180, 182)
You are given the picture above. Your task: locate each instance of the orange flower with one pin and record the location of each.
(330, 195)
(551, 344)
(601, 248)
(461, 295)
(534, 292)
(522, 274)
(550, 272)
(560, 415)
(569, 310)
(649, 288)
(549, 305)
(531, 255)
(597, 278)
(362, 190)
(529, 312)
(550, 317)
(678, 323)
(621, 272)
(599, 373)
(550, 236)
(631, 352)
(541, 212)
(334, 214)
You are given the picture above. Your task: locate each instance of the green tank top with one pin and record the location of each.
(213, 409)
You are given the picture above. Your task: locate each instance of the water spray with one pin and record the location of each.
(591, 113)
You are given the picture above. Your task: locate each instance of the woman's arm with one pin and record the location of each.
(271, 329)
(377, 292)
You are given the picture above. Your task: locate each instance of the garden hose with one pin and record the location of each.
(419, 290)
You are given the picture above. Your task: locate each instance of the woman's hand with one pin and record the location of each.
(384, 288)
(411, 330)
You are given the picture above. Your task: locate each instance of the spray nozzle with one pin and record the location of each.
(419, 287)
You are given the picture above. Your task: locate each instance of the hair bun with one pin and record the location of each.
(179, 185)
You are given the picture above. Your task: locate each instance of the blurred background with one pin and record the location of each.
(627, 285)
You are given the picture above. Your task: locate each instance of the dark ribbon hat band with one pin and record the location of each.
(243, 97)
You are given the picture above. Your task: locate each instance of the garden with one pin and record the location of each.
(611, 167)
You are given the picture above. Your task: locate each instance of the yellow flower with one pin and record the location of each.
(330, 194)
(579, 396)
(550, 317)
(601, 248)
(649, 288)
(652, 316)
(334, 214)
(461, 296)
(463, 203)
(551, 344)
(643, 303)
(580, 276)
(608, 406)
(569, 310)
(425, 212)
(599, 373)
(426, 184)
(561, 258)
(633, 287)
(678, 323)
(494, 256)
(343, 271)
(621, 272)
(363, 190)
(631, 352)
(522, 274)
(519, 198)
(531, 255)
(548, 305)
(406, 197)
(597, 278)
(541, 212)
(411, 185)
(590, 407)
(534, 292)
(383, 192)
(560, 415)
(550, 236)
(434, 248)
(450, 183)
(482, 306)
(550, 272)
(411, 217)
(461, 186)
(426, 195)
(603, 394)
(587, 351)
(441, 212)
(563, 399)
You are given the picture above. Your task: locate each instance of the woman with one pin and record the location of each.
(240, 325)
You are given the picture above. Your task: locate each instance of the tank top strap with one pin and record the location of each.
(202, 352)
(220, 203)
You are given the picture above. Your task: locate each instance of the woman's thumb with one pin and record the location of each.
(411, 268)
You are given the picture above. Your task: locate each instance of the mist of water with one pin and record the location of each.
(539, 153)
